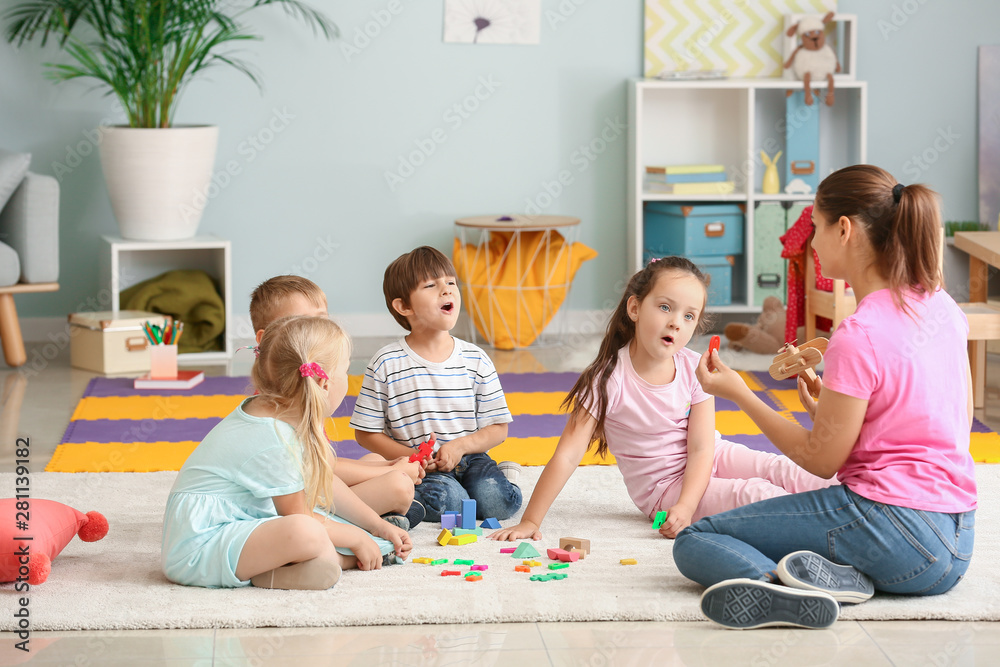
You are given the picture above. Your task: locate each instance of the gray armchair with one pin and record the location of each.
(29, 243)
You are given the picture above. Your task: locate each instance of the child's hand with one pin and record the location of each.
(367, 552)
(525, 529)
(448, 457)
(415, 470)
(723, 381)
(678, 518)
(400, 539)
(808, 402)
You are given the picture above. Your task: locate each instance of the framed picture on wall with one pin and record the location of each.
(492, 21)
(745, 39)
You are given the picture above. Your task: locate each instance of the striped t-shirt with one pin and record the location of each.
(407, 397)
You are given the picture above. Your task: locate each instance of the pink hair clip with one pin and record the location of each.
(312, 370)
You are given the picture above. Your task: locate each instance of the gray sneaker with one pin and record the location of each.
(743, 604)
(511, 470)
(397, 520)
(810, 571)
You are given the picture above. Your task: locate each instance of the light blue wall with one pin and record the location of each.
(323, 175)
(920, 60)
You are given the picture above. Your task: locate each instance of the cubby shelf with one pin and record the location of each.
(728, 122)
(127, 262)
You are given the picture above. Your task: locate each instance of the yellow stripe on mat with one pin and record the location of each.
(985, 447)
(155, 407)
(534, 402)
(157, 456)
(201, 407)
(787, 398)
(538, 451)
(751, 381)
(732, 422)
(120, 456)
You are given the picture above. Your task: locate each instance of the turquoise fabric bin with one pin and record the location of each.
(693, 229)
(719, 270)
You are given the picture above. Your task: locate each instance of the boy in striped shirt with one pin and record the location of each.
(429, 383)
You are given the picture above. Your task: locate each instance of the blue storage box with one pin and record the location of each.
(720, 270)
(693, 229)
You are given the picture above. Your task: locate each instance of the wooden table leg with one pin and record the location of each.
(10, 406)
(10, 332)
(979, 278)
(978, 282)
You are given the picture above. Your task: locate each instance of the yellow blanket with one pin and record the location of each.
(512, 291)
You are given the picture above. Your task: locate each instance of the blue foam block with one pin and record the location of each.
(468, 514)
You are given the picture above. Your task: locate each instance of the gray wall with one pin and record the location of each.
(346, 120)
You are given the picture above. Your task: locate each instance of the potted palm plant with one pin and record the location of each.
(145, 53)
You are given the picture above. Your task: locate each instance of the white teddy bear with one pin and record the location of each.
(813, 59)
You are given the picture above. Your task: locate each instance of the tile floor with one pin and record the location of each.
(38, 403)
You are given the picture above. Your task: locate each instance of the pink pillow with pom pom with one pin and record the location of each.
(51, 525)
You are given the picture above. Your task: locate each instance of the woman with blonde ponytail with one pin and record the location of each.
(892, 423)
(255, 501)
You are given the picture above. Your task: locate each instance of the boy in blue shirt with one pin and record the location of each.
(430, 383)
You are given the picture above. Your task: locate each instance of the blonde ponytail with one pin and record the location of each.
(288, 346)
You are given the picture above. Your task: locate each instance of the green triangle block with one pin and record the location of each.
(525, 550)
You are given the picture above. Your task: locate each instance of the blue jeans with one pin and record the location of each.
(476, 476)
(903, 550)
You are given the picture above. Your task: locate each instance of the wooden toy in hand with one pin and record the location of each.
(800, 361)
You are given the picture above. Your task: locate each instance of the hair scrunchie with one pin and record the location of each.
(897, 192)
(312, 370)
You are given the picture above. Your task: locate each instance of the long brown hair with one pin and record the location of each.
(902, 224)
(288, 343)
(590, 389)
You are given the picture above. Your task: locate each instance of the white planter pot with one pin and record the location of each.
(158, 178)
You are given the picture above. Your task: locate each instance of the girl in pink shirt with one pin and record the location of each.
(640, 399)
(892, 423)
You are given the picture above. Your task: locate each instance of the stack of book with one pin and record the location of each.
(688, 179)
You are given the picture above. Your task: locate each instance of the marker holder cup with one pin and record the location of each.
(163, 362)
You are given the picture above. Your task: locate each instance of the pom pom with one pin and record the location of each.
(95, 528)
(39, 567)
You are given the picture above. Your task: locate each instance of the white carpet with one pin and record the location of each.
(117, 584)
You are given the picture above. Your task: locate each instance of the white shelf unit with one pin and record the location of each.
(729, 121)
(127, 263)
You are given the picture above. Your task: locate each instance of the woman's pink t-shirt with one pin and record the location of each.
(647, 425)
(913, 449)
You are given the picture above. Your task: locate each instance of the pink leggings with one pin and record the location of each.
(741, 476)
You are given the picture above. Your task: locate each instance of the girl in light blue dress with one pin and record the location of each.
(254, 502)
